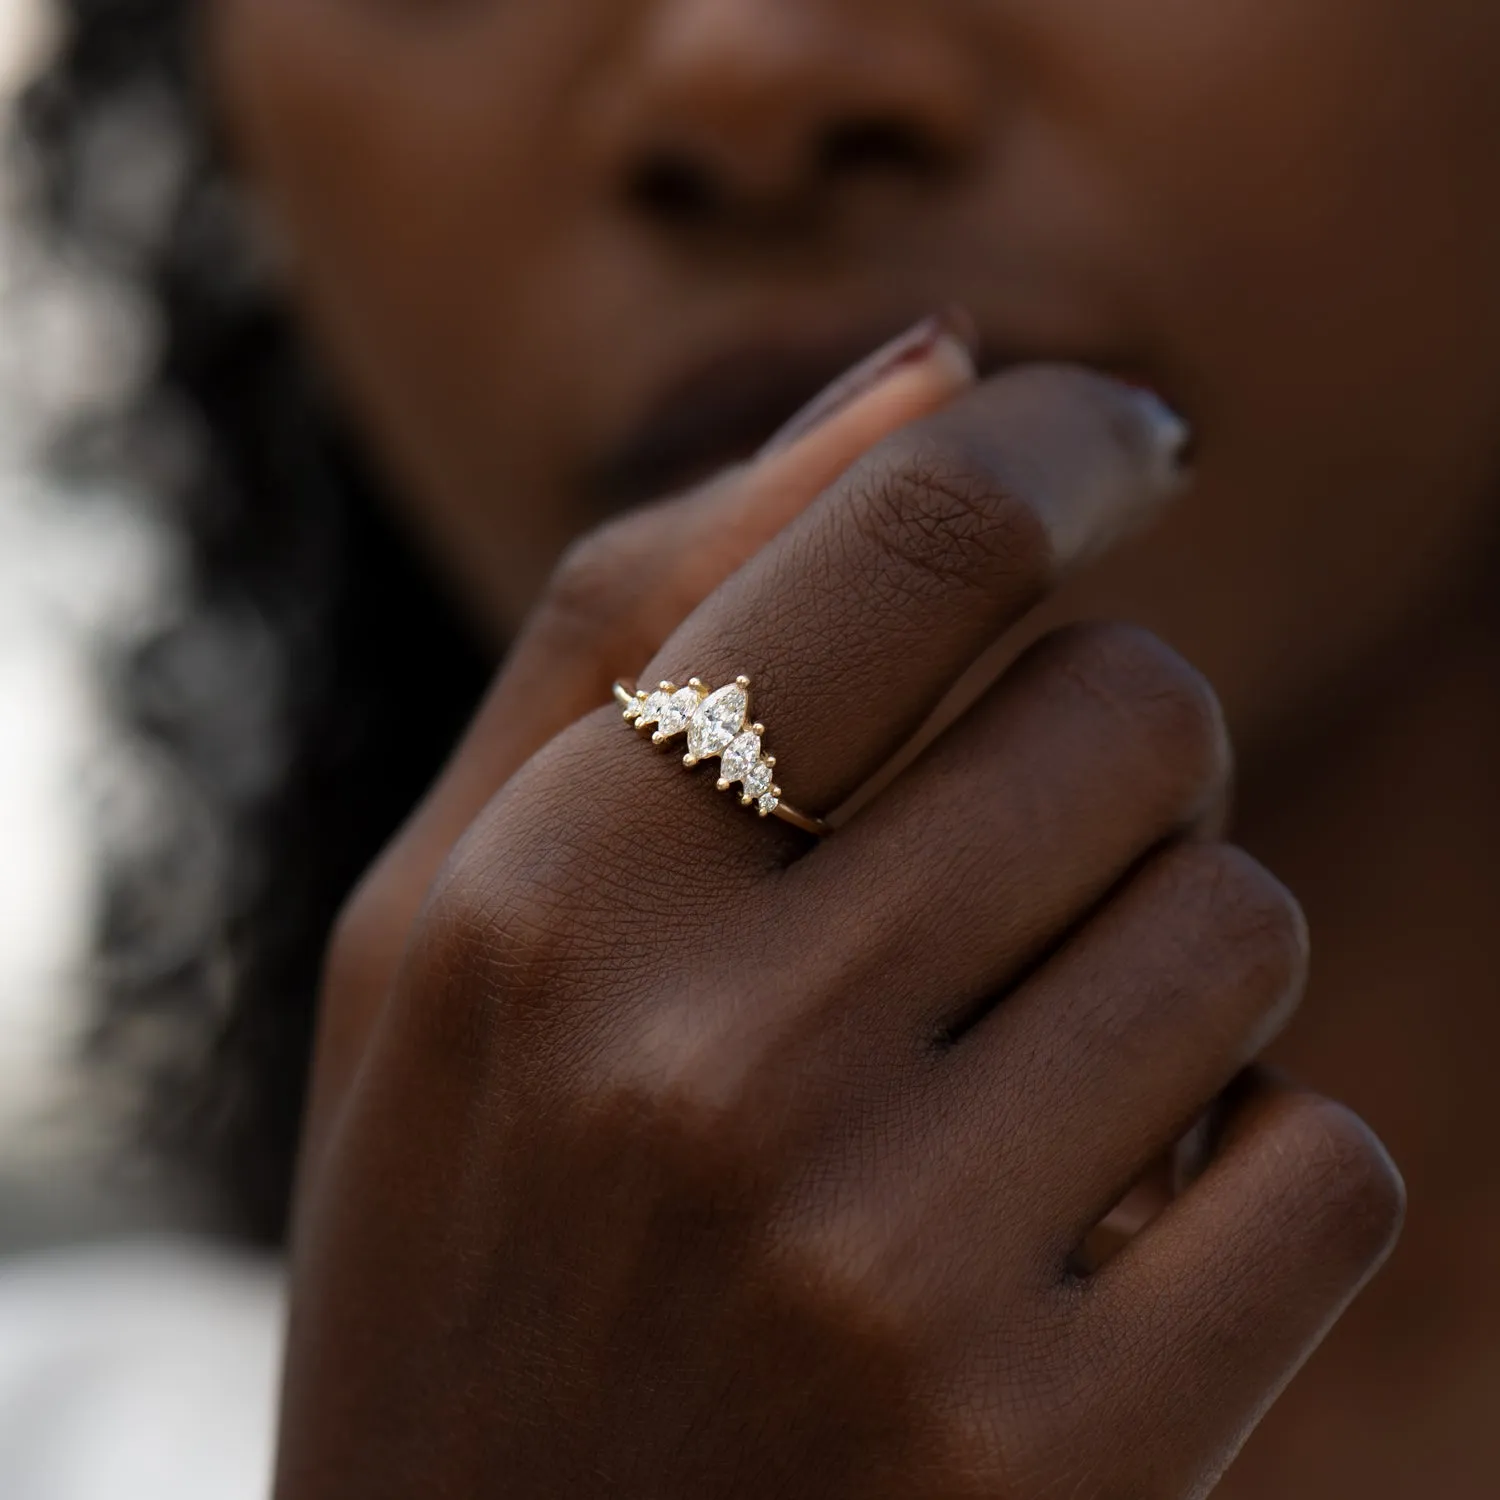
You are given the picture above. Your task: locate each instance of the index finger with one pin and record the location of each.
(614, 600)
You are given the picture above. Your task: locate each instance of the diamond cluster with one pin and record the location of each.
(716, 724)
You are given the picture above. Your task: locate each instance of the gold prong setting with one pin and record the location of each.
(717, 724)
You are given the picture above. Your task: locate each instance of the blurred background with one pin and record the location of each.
(115, 1311)
(65, 580)
(227, 672)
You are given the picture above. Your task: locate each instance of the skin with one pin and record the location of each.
(620, 1131)
(527, 237)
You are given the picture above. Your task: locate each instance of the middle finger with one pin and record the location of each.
(857, 619)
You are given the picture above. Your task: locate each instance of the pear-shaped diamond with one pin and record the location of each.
(741, 758)
(719, 719)
(676, 709)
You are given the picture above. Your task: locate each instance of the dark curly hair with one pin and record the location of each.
(311, 675)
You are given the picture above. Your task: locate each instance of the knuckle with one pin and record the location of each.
(590, 588)
(841, 1260)
(938, 520)
(1249, 921)
(1351, 1197)
(701, 1043)
(470, 923)
(464, 952)
(503, 929)
(675, 1058)
(674, 1103)
(1165, 702)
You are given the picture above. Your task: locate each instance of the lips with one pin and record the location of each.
(722, 412)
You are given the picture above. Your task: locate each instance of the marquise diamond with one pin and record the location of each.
(718, 720)
(741, 758)
(717, 723)
(758, 780)
(676, 711)
(649, 709)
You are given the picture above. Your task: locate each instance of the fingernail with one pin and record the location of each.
(1171, 437)
(948, 337)
(1116, 453)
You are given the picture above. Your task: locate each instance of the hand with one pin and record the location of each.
(665, 1152)
(611, 603)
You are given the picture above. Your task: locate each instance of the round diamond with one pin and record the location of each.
(769, 803)
(719, 719)
(677, 708)
(741, 758)
(757, 779)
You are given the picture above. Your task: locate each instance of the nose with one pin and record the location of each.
(742, 110)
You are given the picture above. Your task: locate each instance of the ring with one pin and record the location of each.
(717, 723)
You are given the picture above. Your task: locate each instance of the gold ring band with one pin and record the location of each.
(717, 723)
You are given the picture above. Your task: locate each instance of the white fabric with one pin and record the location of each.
(141, 1371)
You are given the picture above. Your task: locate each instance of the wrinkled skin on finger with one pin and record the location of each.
(611, 603)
